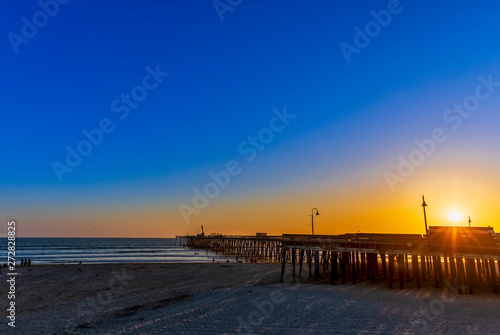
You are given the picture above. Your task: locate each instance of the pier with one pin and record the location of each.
(464, 257)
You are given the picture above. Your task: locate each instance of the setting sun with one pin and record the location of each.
(455, 216)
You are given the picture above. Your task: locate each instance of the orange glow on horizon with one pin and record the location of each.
(362, 202)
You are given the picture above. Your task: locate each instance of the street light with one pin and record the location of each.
(312, 218)
(425, 217)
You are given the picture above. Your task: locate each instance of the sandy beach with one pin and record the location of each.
(230, 298)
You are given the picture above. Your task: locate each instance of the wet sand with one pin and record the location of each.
(228, 299)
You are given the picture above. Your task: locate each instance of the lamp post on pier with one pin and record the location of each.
(312, 218)
(425, 217)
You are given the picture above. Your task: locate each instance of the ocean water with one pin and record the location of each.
(104, 250)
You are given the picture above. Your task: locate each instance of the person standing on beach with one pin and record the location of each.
(22, 261)
(80, 266)
(29, 262)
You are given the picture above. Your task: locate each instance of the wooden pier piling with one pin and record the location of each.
(414, 263)
(316, 265)
(301, 260)
(391, 270)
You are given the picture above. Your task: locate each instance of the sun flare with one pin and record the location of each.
(455, 216)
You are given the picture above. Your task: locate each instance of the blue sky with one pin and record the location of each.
(225, 78)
